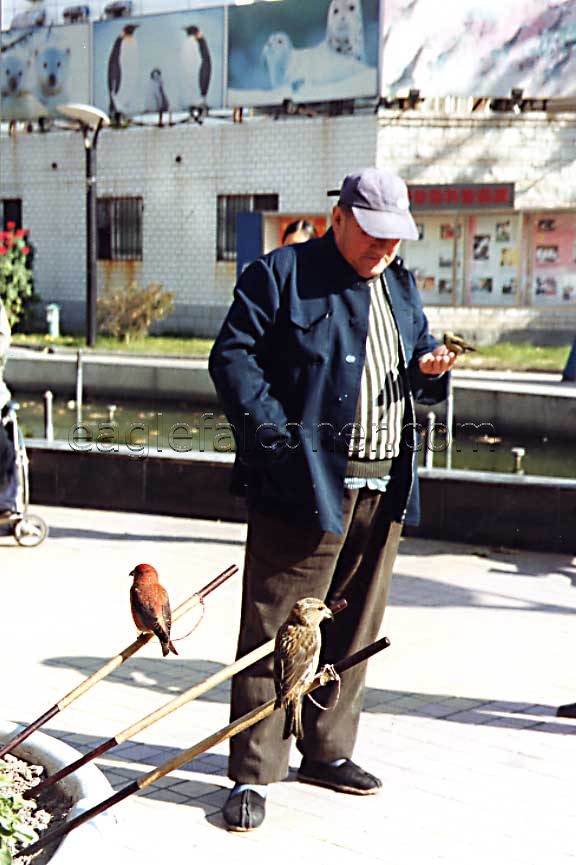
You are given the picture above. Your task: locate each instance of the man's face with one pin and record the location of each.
(369, 256)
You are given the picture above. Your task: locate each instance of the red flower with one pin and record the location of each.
(25, 250)
(19, 233)
(3, 250)
(10, 226)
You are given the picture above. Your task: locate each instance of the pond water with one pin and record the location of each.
(188, 428)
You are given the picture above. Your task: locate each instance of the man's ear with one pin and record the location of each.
(337, 215)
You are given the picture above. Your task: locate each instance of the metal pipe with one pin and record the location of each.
(91, 259)
(79, 385)
(48, 417)
(449, 422)
(429, 444)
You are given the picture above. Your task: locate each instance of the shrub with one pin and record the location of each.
(15, 271)
(129, 312)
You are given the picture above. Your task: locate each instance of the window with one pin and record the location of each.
(11, 211)
(229, 206)
(119, 235)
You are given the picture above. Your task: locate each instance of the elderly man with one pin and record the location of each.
(317, 364)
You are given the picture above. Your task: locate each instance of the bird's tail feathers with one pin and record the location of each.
(167, 647)
(293, 720)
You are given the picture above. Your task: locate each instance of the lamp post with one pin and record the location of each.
(91, 120)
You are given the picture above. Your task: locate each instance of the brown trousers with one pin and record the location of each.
(287, 561)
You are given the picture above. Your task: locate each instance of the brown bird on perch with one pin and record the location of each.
(296, 657)
(150, 606)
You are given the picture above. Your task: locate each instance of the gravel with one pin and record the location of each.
(49, 810)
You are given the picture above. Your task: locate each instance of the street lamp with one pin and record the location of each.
(91, 121)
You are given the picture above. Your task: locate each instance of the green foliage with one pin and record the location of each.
(15, 271)
(12, 827)
(516, 357)
(127, 313)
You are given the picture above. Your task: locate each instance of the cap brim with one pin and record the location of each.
(386, 225)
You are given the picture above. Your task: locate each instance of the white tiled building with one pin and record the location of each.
(176, 175)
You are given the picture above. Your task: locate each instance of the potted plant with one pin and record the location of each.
(91, 842)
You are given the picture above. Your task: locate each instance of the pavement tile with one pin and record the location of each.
(459, 717)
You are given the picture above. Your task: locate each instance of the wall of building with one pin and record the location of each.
(179, 171)
(535, 151)
(299, 159)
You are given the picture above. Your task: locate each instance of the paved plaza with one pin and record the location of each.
(459, 718)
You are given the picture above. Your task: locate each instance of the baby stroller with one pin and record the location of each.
(28, 529)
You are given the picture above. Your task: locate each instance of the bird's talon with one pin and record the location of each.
(328, 674)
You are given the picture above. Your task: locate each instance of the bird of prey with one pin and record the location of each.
(456, 343)
(150, 606)
(296, 657)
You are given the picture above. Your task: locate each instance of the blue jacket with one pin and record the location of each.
(287, 366)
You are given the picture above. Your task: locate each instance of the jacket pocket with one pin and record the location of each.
(310, 328)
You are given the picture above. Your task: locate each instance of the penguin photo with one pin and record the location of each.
(196, 64)
(156, 98)
(123, 73)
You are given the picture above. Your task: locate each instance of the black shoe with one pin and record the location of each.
(244, 811)
(567, 711)
(346, 778)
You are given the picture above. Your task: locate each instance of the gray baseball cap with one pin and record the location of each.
(379, 201)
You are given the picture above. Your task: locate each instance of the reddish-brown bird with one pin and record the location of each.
(150, 606)
(296, 657)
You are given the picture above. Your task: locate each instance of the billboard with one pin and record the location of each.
(479, 48)
(159, 63)
(304, 51)
(42, 68)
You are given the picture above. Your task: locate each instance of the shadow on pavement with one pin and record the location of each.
(99, 535)
(484, 710)
(410, 591)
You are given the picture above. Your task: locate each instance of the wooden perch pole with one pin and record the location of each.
(185, 756)
(191, 694)
(114, 663)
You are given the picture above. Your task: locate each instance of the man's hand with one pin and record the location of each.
(437, 362)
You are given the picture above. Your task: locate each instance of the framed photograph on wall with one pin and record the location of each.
(546, 254)
(493, 259)
(481, 247)
(553, 257)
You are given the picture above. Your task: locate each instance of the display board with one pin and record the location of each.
(479, 48)
(436, 258)
(492, 255)
(42, 68)
(301, 50)
(159, 63)
(552, 257)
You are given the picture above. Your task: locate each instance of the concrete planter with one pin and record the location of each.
(94, 841)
